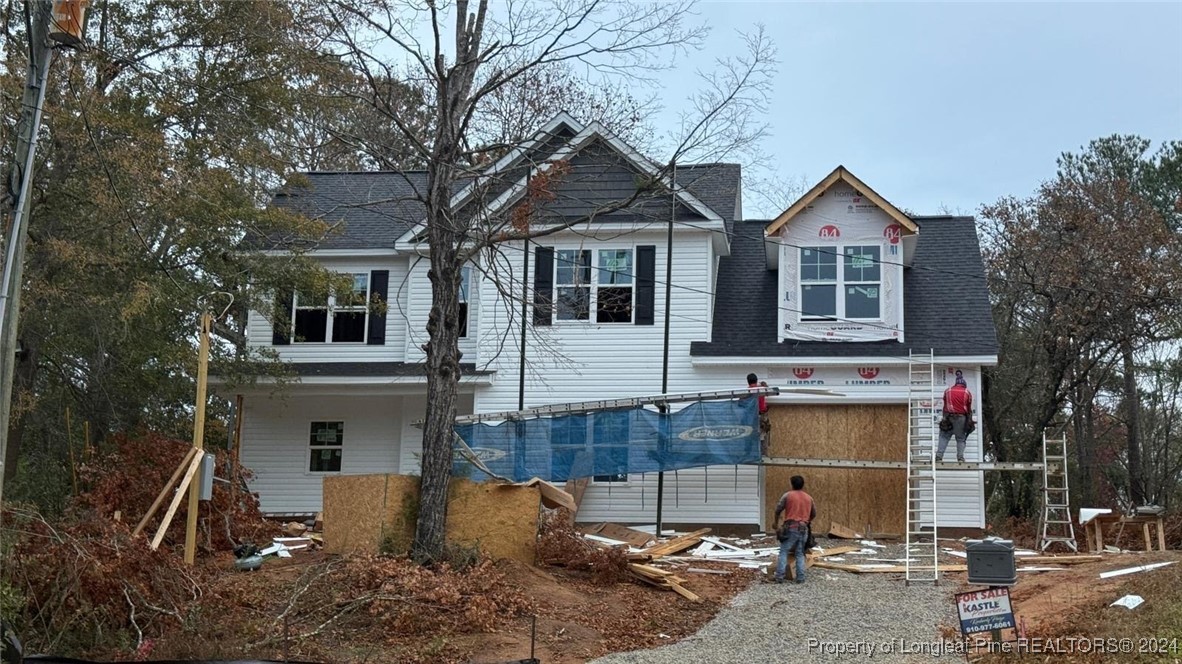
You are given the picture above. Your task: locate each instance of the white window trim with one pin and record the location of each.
(593, 297)
(839, 285)
(308, 449)
(330, 309)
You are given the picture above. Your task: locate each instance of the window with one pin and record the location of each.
(613, 297)
(863, 281)
(465, 289)
(341, 318)
(603, 479)
(859, 281)
(608, 290)
(325, 444)
(818, 282)
(572, 284)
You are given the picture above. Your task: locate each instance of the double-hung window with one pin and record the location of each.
(325, 444)
(606, 292)
(340, 318)
(841, 282)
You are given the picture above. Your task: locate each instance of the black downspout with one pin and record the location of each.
(668, 301)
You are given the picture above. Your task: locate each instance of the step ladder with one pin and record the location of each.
(1056, 515)
(921, 563)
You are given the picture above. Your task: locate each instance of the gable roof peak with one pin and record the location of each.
(839, 174)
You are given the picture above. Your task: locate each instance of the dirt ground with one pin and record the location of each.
(577, 618)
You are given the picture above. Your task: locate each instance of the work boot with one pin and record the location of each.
(960, 459)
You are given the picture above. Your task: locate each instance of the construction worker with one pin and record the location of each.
(958, 413)
(799, 511)
(765, 423)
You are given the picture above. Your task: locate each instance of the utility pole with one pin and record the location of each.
(20, 181)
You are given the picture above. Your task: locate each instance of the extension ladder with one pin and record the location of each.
(921, 565)
(1056, 516)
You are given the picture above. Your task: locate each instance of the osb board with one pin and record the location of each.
(853, 497)
(502, 518)
(361, 510)
(353, 508)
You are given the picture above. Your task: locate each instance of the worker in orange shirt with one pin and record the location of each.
(957, 420)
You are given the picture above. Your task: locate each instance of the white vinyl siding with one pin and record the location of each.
(275, 444)
(416, 293)
(589, 360)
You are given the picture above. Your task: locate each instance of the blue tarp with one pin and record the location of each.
(614, 442)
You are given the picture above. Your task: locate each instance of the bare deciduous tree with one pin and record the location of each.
(468, 57)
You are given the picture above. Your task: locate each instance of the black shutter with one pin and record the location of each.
(646, 291)
(379, 281)
(281, 317)
(543, 286)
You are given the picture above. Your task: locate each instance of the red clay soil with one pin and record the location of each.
(580, 620)
(1074, 602)
(578, 617)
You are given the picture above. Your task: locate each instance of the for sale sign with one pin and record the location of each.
(984, 610)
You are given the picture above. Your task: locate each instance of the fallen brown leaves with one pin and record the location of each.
(559, 544)
(128, 478)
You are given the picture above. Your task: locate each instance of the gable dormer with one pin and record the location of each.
(840, 251)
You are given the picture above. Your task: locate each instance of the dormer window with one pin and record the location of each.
(849, 288)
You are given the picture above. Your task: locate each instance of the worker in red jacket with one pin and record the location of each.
(958, 413)
(765, 423)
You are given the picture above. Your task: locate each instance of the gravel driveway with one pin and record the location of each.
(834, 616)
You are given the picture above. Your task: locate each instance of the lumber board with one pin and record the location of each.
(677, 543)
(1061, 560)
(194, 464)
(185, 461)
(677, 588)
(835, 551)
(842, 532)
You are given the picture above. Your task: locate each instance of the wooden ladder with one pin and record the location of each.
(921, 565)
(1056, 513)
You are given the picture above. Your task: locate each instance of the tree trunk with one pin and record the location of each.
(22, 385)
(443, 374)
(1132, 425)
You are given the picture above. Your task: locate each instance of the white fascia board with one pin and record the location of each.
(334, 253)
(858, 361)
(313, 382)
(887, 395)
(771, 250)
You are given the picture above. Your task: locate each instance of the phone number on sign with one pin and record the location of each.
(1073, 645)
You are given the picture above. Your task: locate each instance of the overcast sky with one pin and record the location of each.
(952, 104)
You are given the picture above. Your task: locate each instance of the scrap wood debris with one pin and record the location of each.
(657, 577)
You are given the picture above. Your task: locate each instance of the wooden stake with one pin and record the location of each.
(164, 492)
(234, 451)
(70, 448)
(194, 464)
(198, 438)
(86, 451)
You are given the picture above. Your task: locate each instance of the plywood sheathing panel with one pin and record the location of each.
(361, 510)
(356, 504)
(854, 497)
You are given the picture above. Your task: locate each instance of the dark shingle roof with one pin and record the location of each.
(372, 210)
(367, 210)
(946, 302)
